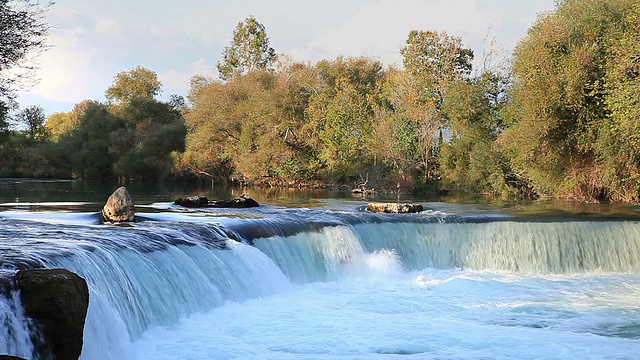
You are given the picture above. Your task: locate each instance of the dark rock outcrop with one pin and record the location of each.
(119, 207)
(244, 201)
(394, 208)
(57, 300)
(192, 201)
(10, 357)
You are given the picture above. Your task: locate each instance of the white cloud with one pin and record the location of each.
(177, 82)
(92, 43)
(381, 27)
(68, 75)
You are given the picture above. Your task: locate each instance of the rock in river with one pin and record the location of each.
(244, 201)
(57, 300)
(119, 207)
(192, 201)
(395, 208)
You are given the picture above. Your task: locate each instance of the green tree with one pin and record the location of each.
(432, 61)
(90, 141)
(472, 160)
(133, 83)
(33, 118)
(249, 50)
(559, 98)
(142, 147)
(341, 115)
(619, 138)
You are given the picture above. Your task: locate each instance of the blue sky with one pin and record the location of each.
(93, 40)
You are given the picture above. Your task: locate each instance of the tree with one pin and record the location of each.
(137, 82)
(341, 114)
(432, 61)
(249, 50)
(22, 31)
(472, 160)
(33, 118)
(619, 138)
(560, 95)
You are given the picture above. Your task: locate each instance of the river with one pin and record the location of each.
(312, 275)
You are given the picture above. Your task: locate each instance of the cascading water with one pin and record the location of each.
(369, 271)
(15, 336)
(145, 276)
(524, 247)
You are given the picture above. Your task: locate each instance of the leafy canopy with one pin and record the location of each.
(249, 50)
(137, 82)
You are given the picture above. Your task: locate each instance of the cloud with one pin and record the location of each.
(68, 75)
(380, 28)
(177, 82)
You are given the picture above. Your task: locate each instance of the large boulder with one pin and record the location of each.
(395, 208)
(244, 201)
(192, 201)
(57, 300)
(119, 207)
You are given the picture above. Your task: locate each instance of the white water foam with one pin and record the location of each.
(433, 314)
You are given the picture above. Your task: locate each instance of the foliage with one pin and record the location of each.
(134, 83)
(565, 121)
(619, 143)
(472, 160)
(33, 118)
(433, 61)
(248, 126)
(22, 32)
(249, 50)
(340, 113)
(560, 95)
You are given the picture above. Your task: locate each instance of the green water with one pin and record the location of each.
(86, 195)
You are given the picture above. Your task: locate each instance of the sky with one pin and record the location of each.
(91, 41)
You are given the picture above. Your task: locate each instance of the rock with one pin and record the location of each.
(5, 287)
(244, 201)
(395, 208)
(119, 207)
(10, 357)
(192, 201)
(57, 300)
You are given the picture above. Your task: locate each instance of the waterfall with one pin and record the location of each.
(149, 275)
(156, 273)
(524, 247)
(15, 329)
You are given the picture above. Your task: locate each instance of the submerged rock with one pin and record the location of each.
(119, 207)
(244, 201)
(192, 201)
(57, 300)
(394, 208)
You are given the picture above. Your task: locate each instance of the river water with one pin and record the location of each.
(314, 276)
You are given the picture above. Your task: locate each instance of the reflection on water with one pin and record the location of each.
(90, 195)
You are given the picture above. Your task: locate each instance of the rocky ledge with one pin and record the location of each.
(244, 201)
(395, 208)
(57, 300)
